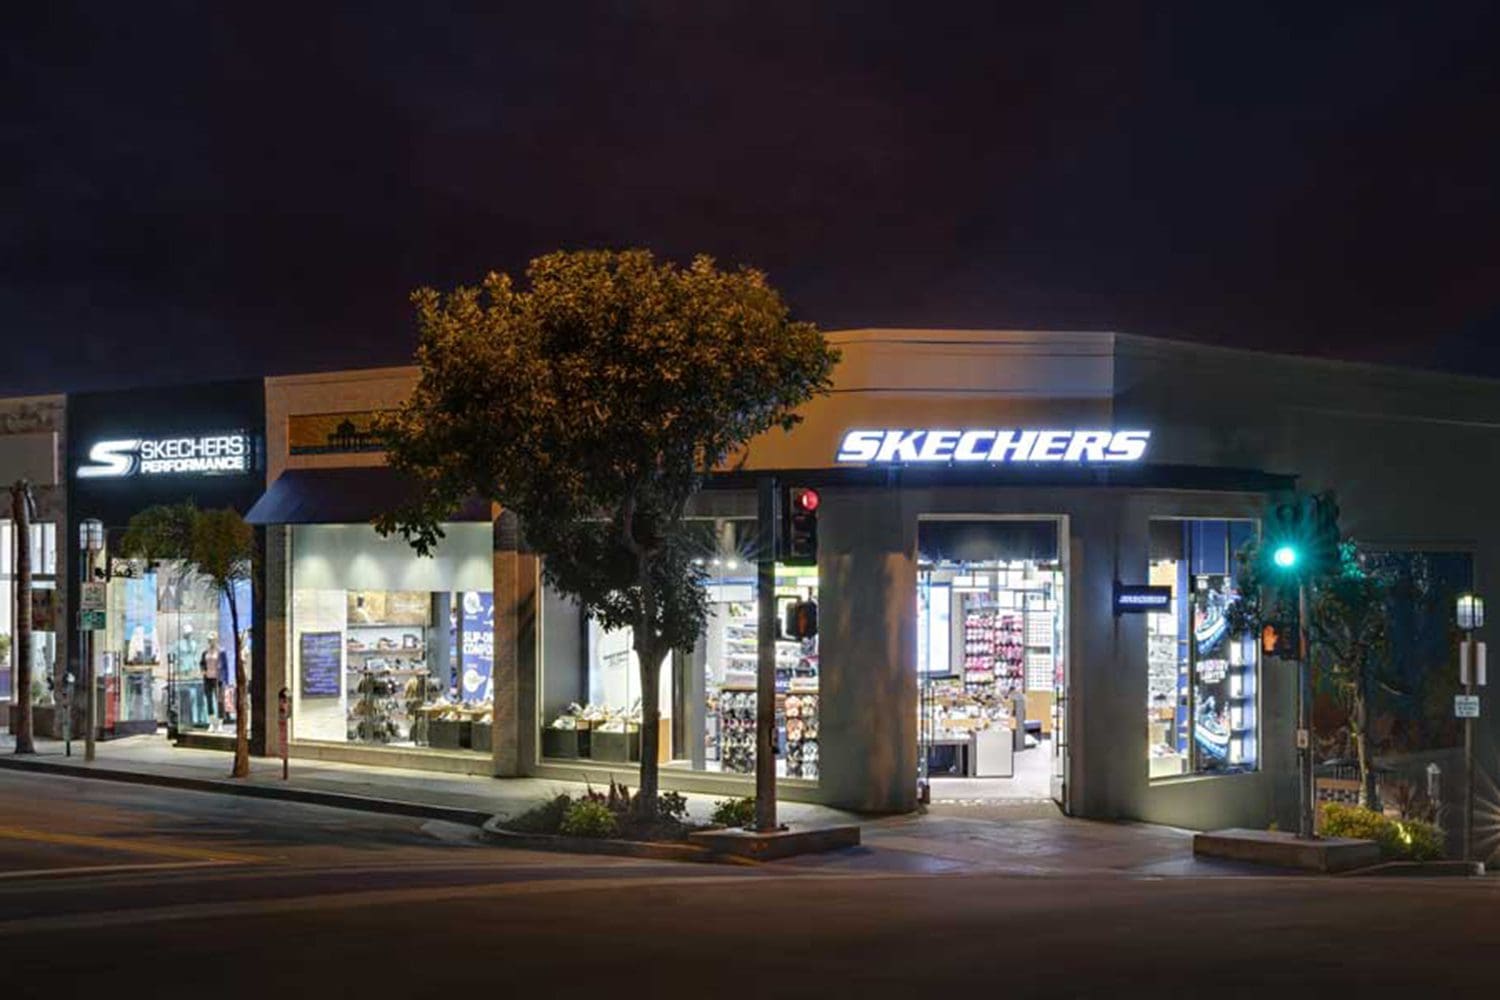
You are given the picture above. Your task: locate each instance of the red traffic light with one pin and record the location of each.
(808, 500)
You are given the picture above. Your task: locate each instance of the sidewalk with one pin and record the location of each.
(1031, 839)
(455, 797)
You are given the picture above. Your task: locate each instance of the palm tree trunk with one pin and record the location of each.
(241, 735)
(21, 525)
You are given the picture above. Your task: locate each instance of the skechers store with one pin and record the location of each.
(1026, 553)
(164, 656)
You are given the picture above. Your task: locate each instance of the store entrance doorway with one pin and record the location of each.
(991, 658)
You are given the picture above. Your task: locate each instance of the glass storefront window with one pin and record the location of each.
(166, 656)
(1202, 711)
(44, 609)
(591, 676)
(389, 648)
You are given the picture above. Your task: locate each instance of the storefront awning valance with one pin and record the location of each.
(344, 496)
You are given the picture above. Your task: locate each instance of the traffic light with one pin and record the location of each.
(1322, 531)
(799, 527)
(1302, 539)
(1284, 542)
(1279, 641)
(801, 620)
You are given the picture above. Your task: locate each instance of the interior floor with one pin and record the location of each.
(1032, 781)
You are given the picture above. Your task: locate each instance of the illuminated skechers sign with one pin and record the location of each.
(207, 455)
(979, 446)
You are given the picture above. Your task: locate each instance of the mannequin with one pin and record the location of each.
(211, 668)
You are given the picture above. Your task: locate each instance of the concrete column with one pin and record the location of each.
(270, 673)
(867, 643)
(514, 681)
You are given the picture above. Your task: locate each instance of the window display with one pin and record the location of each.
(990, 604)
(167, 654)
(1201, 712)
(388, 648)
(591, 676)
(43, 612)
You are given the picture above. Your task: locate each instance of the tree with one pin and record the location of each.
(219, 545)
(22, 506)
(1346, 636)
(593, 403)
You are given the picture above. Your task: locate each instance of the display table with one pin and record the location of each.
(987, 753)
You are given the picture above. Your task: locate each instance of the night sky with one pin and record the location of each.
(205, 190)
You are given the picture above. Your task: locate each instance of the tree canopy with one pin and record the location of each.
(592, 402)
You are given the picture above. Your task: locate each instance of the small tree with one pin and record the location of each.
(1346, 637)
(219, 545)
(593, 404)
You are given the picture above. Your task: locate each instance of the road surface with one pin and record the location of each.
(111, 890)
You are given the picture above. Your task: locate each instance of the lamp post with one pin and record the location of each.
(1469, 610)
(90, 544)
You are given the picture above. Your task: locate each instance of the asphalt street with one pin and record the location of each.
(118, 890)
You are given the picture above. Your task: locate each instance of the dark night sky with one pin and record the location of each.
(193, 191)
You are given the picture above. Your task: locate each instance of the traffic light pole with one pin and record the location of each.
(1305, 824)
(765, 649)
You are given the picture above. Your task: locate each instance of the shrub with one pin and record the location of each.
(1423, 841)
(588, 818)
(544, 818)
(735, 812)
(672, 805)
(1405, 841)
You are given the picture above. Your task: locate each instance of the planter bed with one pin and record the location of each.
(494, 832)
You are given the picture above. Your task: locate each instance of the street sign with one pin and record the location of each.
(91, 621)
(91, 597)
(1466, 706)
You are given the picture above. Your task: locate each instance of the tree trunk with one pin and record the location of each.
(651, 658)
(241, 736)
(648, 651)
(1359, 724)
(21, 524)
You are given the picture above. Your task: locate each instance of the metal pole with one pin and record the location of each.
(86, 668)
(1473, 666)
(1305, 819)
(765, 671)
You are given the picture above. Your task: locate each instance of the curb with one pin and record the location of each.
(1418, 869)
(494, 833)
(308, 796)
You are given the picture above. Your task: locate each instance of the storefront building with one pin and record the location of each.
(994, 508)
(31, 434)
(165, 656)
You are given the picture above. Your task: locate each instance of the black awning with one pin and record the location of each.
(344, 496)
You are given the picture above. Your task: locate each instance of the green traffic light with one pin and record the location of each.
(1285, 556)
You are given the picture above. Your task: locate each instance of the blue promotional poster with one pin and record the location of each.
(140, 620)
(242, 607)
(478, 645)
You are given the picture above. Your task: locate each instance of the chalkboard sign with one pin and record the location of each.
(322, 664)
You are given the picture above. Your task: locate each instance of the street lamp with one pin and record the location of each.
(90, 544)
(1470, 612)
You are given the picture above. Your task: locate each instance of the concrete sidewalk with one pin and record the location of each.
(1026, 839)
(437, 795)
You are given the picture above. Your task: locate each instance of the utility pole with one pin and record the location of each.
(765, 648)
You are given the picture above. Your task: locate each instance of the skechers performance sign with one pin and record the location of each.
(205, 455)
(974, 447)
